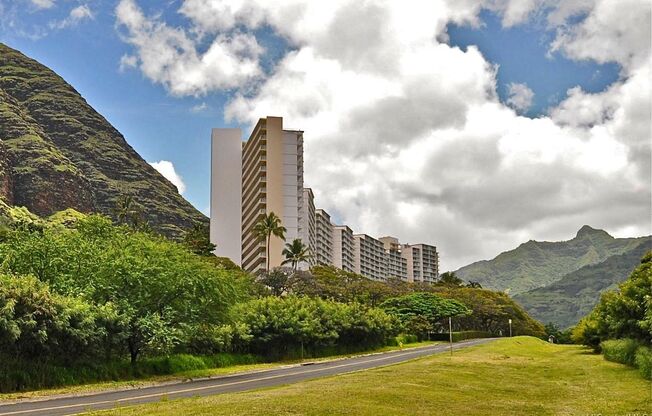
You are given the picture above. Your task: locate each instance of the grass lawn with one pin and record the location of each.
(193, 374)
(517, 376)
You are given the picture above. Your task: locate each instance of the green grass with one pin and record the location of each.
(183, 375)
(518, 376)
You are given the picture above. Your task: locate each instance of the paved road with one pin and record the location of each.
(228, 384)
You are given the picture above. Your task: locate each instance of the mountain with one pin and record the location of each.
(537, 264)
(57, 152)
(569, 299)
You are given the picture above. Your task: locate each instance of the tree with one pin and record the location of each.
(268, 226)
(450, 279)
(197, 239)
(295, 253)
(421, 313)
(276, 280)
(128, 212)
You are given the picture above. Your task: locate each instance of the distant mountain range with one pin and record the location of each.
(560, 282)
(57, 152)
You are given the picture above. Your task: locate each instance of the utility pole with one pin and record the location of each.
(510, 327)
(450, 333)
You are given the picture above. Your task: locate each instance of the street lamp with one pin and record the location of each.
(510, 328)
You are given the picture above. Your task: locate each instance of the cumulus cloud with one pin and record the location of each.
(76, 16)
(166, 168)
(519, 96)
(405, 134)
(171, 56)
(198, 108)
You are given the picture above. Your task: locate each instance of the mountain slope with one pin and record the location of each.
(566, 301)
(57, 152)
(539, 263)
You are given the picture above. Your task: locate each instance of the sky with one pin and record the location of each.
(472, 125)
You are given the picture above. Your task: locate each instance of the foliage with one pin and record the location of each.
(197, 239)
(295, 253)
(561, 337)
(268, 226)
(450, 279)
(421, 313)
(157, 287)
(491, 312)
(622, 314)
(461, 335)
(620, 350)
(283, 326)
(643, 361)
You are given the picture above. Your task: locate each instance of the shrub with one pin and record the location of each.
(620, 350)
(643, 360)
(461, 336)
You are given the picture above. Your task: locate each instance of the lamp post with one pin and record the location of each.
(450, 334)
(510, 327)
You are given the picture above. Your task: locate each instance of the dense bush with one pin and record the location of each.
(643, 361)
(291, 326)
(625, 313)
(461, 336)
(621, 351)
(158, 289)
(18, 374)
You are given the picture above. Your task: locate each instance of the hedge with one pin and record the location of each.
(629, 352)
(460, 336)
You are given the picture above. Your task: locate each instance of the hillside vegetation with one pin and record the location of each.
(540, 263)
(57, 152)
(566, 301)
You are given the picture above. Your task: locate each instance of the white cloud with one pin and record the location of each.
(43, 4)
(166, 168)
(76, 16)
(128, 61)
(519, 96)
(198, 108)
(405, 135)
(170, 55)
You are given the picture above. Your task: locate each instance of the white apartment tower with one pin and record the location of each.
(396, 263)
(343, 248)
(422, 262)
(307, 226)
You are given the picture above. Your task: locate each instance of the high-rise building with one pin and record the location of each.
(226, 192)
(266, 172)
(307, 226)
(343, 248)
(324, 238)
(422, 262)
(369, 257)
(396, 263)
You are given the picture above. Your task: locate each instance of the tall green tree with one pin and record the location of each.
(450, 279)
(296, 253)
(268, 226)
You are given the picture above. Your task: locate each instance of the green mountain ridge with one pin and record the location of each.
(536, 264)
(57, 152)
(572, 297)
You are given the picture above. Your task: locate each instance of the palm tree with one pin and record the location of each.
(295, 253)
(269, 225)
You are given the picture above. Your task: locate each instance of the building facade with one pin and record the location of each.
(343, 248)
(422, 262)
(226, 193)
(307, 226)
(369, 257)
(396, 263)
(324, 238)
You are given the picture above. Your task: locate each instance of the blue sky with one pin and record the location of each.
(162, 127)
